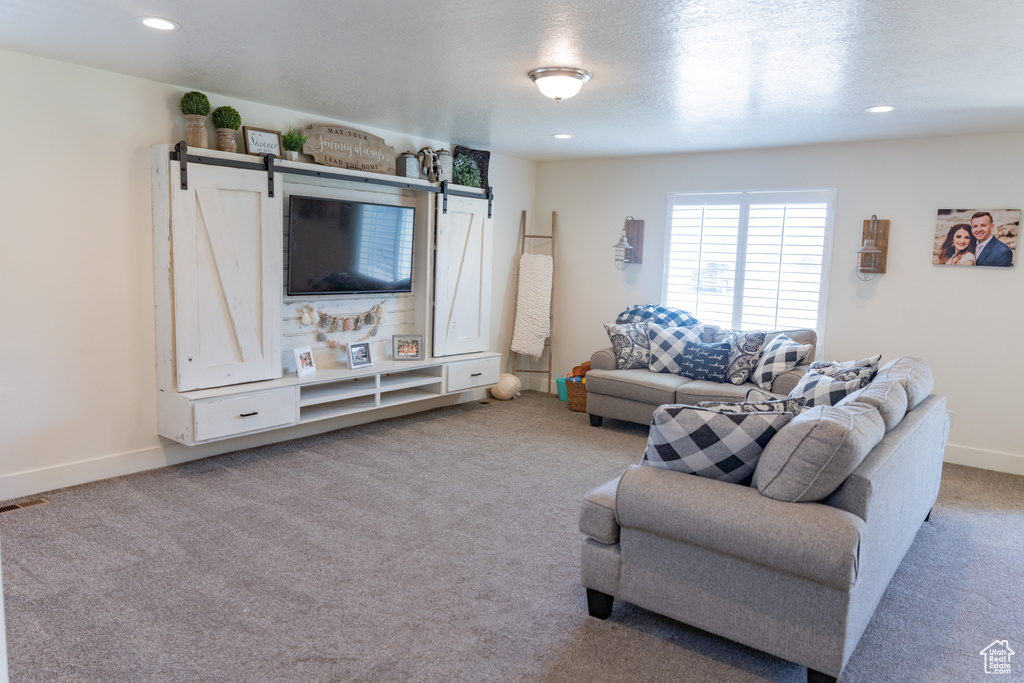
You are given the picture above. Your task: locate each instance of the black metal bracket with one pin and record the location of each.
(181, 155)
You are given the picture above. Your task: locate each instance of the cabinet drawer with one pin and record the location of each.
(217, 418)
(469, 374)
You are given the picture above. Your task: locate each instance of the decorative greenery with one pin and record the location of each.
(293, 140)
(227, 117)
(195, 102)
(466, 172)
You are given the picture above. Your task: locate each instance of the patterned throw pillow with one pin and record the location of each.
(744, 350)
(781, 355)
(705, 361)
(630, 344)
(667, 345)
(659, 315)
(722, 446)
(847, 370)
(821, 390)
(783, 405)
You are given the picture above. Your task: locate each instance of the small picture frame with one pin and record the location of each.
(359, 355)
(304, 364)
(262, 141)
(407, 346)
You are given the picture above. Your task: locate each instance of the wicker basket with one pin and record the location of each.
(577, 392)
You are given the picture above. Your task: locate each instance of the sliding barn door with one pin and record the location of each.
(462, 278)
(226, 234)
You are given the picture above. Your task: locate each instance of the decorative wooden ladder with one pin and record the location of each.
(517, 357)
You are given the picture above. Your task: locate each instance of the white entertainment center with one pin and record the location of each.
(225, 329)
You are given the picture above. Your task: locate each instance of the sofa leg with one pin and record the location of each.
(599, 604)
(818, 677)
(596, 420)
(929, 515)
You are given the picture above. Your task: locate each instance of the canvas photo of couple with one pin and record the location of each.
(975, 237)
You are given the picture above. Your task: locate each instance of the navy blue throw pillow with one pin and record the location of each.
(705, 361)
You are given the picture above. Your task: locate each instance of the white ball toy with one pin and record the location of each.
(507, 387)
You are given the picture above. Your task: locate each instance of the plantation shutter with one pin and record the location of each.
(750, 260)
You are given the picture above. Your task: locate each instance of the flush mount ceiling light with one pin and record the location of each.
(561, 136)
(158, 23)
(880, 108)
(559, 82)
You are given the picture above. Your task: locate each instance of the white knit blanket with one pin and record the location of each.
(533, 307)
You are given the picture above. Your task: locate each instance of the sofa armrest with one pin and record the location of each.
(810, 540)
(603, 360)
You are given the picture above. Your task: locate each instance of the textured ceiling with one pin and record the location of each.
(668, 76)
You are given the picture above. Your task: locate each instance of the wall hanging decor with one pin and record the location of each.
(872, 256)
(328, 323)
(469, 167)
(350, 148)
(976, 237)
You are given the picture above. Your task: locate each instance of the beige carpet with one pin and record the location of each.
(437, 547)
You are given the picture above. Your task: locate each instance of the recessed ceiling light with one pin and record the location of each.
(561, 136)
(880, 108)
(158, 23)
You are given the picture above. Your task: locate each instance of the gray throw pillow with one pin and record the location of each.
(814, 454)
(630, 344)
(915, 376)
(744, 350)
(722, 446)
(887, 396)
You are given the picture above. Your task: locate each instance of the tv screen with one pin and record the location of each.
(343, 247)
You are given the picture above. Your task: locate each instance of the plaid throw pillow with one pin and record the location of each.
(847, 370)
(821, 390)
(659, 315)
(667, 345)
(630, 345)
(744, 350)
(705, 361)
(722, 446)
(784, 405)
(781, 354)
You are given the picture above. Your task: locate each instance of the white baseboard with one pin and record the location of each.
(34, 482)
(986, 460)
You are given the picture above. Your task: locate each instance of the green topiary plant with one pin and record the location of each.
(195, 102)
(466, 172)
(293, 140)
(226, 117)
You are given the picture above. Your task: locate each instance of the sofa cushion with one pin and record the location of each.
(744, 350)
(636, 385)
(915, 376)
(722, 446)
(597, 518)
(821, 390)
(657, 314)
(630, 343)
(779, 356)
(705, 361)
(667, 345)
(785, 405)
(697, 390)
(887, 396)
(847, 370)
(813, 454)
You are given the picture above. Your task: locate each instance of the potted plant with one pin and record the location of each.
(293, 141)
(196, 107)
(226, 120)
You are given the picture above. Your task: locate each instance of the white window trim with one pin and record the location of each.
(745, 197)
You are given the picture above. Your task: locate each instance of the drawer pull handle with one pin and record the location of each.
(255, 412)
(476, 374)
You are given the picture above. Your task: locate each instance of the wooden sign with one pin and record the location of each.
(349, 148)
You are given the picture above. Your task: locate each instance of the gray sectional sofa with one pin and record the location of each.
(632, 395)
(799, 580)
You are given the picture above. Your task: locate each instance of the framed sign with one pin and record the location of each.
(261, 141)
(359, 355)
(408, 346)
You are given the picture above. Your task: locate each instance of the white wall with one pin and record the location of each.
(77, 371)
(965, 322)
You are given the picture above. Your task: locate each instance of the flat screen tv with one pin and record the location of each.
(345, 247)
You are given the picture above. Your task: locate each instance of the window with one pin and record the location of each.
(750, 260)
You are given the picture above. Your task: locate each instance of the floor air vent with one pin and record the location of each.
(26, 504)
